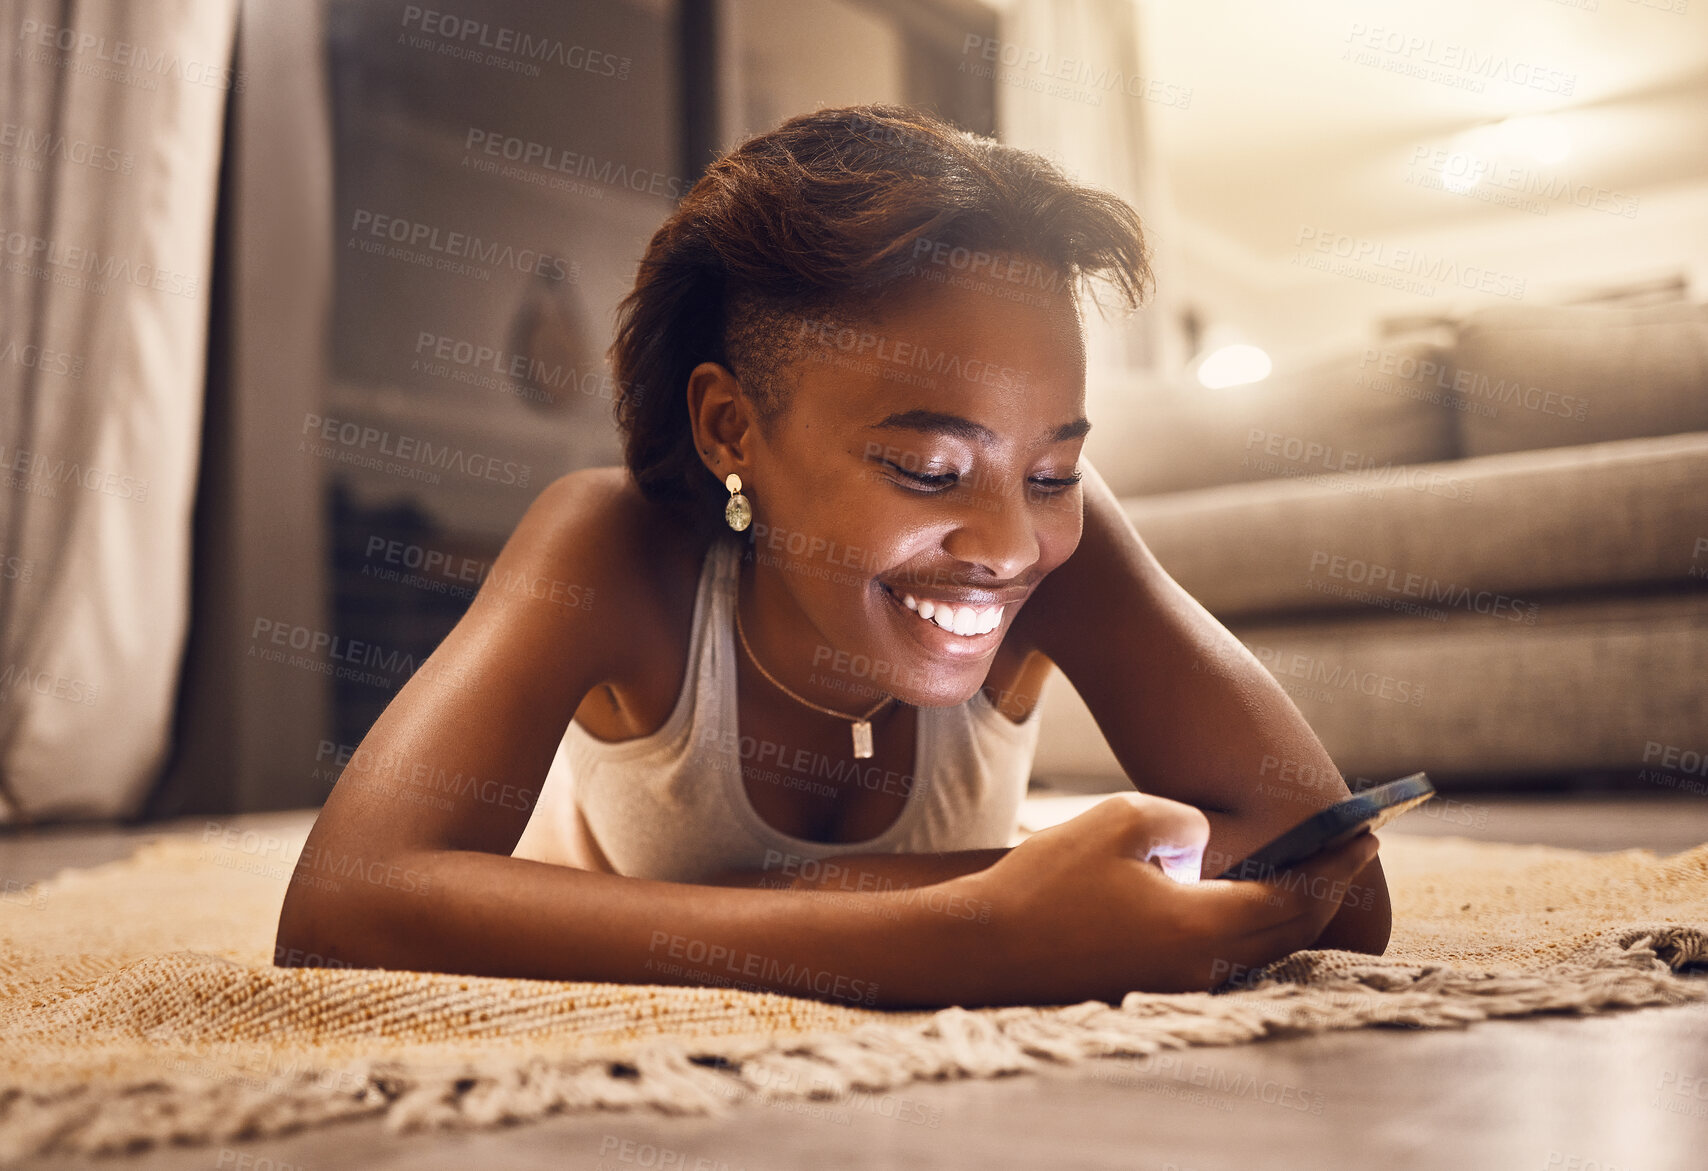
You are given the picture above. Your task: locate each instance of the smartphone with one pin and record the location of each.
(1370, 809)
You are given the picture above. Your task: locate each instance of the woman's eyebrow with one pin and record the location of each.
(961, 428)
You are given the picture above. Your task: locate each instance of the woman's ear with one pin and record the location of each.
(721, 419)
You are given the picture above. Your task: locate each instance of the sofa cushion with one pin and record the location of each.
(1482, 534)
(1537, 377)
(1597, 683)
(1371, 406)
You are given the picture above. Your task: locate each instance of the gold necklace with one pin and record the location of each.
(862, 724)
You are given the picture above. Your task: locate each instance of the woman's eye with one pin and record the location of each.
(940, 480)
(1059, 482)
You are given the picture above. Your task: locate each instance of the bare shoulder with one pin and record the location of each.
(598, 504)
(592, 543)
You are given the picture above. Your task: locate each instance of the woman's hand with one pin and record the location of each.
(1078, 912)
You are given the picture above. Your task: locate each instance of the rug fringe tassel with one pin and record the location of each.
(1300, 994)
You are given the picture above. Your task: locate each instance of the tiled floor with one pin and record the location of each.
(1611, 1093)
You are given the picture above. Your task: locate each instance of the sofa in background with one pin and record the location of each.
(1482, 552)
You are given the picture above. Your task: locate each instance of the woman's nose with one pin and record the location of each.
(997, 530)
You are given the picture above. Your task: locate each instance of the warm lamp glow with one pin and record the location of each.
(1233, 365)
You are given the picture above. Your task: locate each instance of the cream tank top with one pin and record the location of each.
(671, 806)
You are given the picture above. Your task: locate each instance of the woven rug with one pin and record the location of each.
(138, 1004)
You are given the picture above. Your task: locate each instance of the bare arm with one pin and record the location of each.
(868, 872)
(391, 881)
(1202, 721)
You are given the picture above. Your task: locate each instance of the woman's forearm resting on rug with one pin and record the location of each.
(480, 914)
(862, 872)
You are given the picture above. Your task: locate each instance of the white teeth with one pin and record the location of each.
(965, 621)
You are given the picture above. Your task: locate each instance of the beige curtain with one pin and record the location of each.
(109, 158)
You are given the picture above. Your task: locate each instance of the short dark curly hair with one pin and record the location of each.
(820, 217)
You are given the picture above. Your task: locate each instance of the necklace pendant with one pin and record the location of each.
(862, 739)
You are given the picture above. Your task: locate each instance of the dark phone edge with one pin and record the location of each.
(1335, 819)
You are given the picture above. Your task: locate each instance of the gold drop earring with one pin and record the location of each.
(738, 512)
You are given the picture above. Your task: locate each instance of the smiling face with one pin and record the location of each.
(915, 493)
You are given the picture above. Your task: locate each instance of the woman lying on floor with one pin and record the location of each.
(802, 633)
